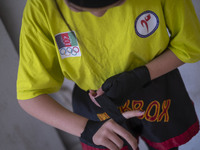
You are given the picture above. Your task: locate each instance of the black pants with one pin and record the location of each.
(170, 119)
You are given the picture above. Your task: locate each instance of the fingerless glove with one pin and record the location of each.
(90, 129)
(119, 86)
(93, 126)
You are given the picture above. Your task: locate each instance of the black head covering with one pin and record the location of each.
(93, 3)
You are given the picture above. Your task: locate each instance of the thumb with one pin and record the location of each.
(133, 113)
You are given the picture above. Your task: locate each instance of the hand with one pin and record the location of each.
(94, 94)
(121, 85)
(107, 133)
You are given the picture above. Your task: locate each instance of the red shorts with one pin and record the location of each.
(87, 147)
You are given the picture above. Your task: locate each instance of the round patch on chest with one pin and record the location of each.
(146, 24)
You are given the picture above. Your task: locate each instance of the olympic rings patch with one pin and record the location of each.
(68, 44)
(68, 51)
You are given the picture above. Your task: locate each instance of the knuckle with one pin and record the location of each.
(101, 140)
(104, 132)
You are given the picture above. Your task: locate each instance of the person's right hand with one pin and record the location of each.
(109, 133)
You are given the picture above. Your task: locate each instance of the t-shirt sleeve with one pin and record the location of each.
(184, 28)
(39, 71)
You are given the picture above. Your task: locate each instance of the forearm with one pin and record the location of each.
(163, 64)
(49, 111)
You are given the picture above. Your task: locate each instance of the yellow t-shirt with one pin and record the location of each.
(91, 49)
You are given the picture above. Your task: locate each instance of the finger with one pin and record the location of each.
(100, 92)
(110, 145)
(93, 93)
(93, 99)
(114, 138)
(131, 140)
(125, 135)
(105, 139)
(133, 113)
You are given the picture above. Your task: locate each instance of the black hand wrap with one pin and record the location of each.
(93, 3)
(90, 129)
(111, 109)
(93, 126)
(119, 86)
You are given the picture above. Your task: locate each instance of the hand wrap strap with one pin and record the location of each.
(110, 108)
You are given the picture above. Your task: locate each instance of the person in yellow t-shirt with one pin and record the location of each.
(122, 56)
